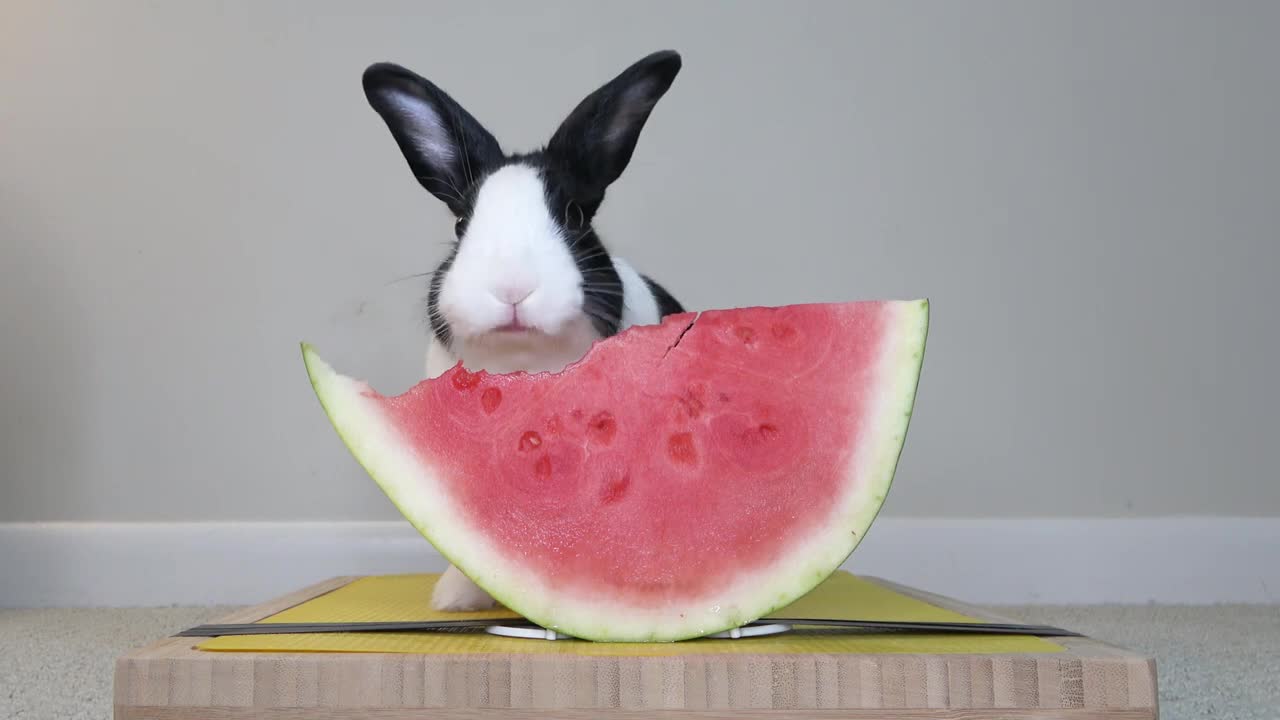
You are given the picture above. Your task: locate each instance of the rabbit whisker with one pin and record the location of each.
(443, 181)
(409, 277)
(455, 195)
(593, 256)
(578, 238)
(587, 279)
(599, 316)
(595, 303)
(462, 142)
(602, 290)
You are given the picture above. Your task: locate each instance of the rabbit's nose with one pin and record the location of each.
(513, 294)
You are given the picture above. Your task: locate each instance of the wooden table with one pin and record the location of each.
(170, 680)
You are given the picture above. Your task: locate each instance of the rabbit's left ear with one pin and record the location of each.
(446, 147)
(596, 141)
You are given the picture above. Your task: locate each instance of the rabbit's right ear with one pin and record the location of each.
(447, 148)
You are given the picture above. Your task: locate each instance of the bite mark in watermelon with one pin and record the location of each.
(679, 480)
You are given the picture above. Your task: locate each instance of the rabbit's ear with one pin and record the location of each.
(596, 141)
(447, 148)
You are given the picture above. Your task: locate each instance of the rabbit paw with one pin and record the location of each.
(454, 592)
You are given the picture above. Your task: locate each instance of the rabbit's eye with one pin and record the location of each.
(459, 225)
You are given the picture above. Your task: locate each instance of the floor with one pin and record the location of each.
(1213, 662)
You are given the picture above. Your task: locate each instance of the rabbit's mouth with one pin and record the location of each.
(512, 332)
(531, 348)
(515, 326)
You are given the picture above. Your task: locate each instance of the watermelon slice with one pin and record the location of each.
(679, 480)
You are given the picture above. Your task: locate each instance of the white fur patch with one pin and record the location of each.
(541, 353)
(455, 592)
(427, 130)
(513, 250)
(639, 306)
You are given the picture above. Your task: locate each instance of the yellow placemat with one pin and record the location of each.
(405, 598)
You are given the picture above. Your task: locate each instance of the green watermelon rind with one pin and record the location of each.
(399, 473)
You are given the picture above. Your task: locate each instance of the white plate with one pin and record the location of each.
(537, 633)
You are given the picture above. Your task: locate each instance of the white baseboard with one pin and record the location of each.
(991, 561)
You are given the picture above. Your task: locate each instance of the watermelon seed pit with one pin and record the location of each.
(603, 427)
(692, 402)
(542, 468)
(681, 449)
(615, 489)
(530, 440)
(490, 399)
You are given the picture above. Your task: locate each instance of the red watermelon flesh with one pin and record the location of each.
(679, 480)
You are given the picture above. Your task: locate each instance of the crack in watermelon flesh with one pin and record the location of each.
(679, 480)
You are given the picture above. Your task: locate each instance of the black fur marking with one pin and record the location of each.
(667, 304)
(452, 157)
(439, 327)
(601, 285)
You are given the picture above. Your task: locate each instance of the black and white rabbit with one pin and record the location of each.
(527, 285)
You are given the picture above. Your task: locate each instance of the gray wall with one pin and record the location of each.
(1086, 191)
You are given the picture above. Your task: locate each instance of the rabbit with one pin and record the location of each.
(527, 283)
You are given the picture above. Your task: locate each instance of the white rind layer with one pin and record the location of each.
(412, 485)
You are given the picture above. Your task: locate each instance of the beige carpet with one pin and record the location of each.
(1214, 662)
